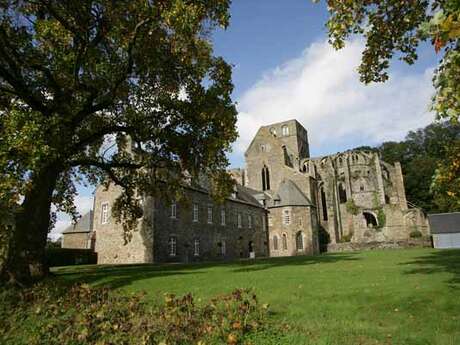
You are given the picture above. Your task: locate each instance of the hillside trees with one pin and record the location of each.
(421, 154)
(75, 75)
(394, 29)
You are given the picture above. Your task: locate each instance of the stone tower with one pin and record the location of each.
(275, 149)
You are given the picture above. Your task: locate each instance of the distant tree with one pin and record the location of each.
(446, 183)
(421, 154)
(80, 73)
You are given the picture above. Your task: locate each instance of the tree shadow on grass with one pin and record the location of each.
(117, 276)
(268, 263)
(444, 260)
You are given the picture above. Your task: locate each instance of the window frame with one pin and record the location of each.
(239, 220)
(223, 220)
(173, 209)
(172, 246)
(195, 213)
(104, 212)
(210, 212)
(196, 247)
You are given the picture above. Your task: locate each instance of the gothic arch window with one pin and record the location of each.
(342, 194)
(305, 167)
(323, 203)
(299, 241)
(284, 240)
(371, 221)
(275, 242)
(265, 178)
(285, 130)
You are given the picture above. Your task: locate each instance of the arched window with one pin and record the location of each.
(273, 131)
(342, 194)
(340, 162)
(284, 242)
(305, 167)
(275, 242)
(371, 221)
(299, 241)
(265, 178)
(172, 246)
(285, 130)
(323, 204)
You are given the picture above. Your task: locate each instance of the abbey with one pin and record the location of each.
(285, 203)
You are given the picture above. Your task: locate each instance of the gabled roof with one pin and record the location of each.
(248, 195)
(444, 223)
(84, 224)
(289, 194)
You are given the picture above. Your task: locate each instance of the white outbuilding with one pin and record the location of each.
(445, 229)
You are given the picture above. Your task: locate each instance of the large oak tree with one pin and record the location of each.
(78, 74)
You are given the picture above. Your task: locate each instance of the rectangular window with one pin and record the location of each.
(195, 212)
(172, 244)
(270, 221)
(249, 221)
(209, 214)
(173, 210)
(240, 223)
(222, 216)
(222, 248)
(286, 217)
(104, 213)
(196, 251)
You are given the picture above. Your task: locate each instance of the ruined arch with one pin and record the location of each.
(323, 203)
(371, 219)
(342, 193)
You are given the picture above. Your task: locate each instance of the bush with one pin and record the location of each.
(68, 256)
(415, 234)
(53, 314)
(346, 238)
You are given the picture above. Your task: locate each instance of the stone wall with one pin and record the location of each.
(354, 246)
(303, 220)
(212, 236)
(76, 240)
(111, 246)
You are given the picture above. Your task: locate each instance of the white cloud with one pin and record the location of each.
(322, 90)
(84, 203)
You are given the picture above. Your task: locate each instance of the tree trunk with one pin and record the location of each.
(26, 252)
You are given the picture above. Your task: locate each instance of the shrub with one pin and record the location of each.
(53, 314)
(352, 208)
(68, 256)
(347, 237)
(415, 234)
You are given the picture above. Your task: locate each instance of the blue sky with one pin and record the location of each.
(284, 68)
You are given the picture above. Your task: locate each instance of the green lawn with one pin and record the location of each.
(379, 297)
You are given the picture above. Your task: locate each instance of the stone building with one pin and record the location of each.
(350, 196)
(193, 229)
(285, 203)
(81, 234)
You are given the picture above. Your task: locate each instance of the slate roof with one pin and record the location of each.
(288, 194)
(248, 195)
(84, 224)
(444, 223)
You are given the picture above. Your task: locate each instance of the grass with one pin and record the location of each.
(378, 297)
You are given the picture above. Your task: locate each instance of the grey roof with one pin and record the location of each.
(84, 224)
(444, 223)
(289, 194)
(248, 195)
